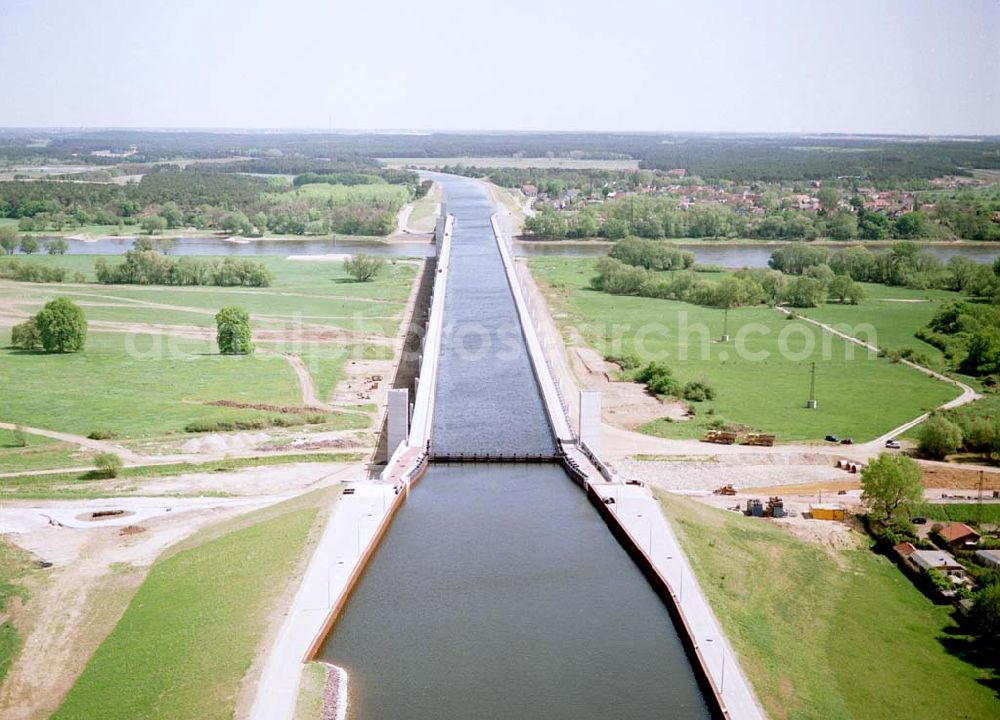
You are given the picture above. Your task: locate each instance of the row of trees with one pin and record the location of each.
(148, 267)
(633, 267)
(904, 265)
(9, 243)
(969, 336)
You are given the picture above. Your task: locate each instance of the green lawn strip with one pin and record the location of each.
(309, 705)
(190, 633)
(959, 512)
(825, 633)
(14, 564)
(860, 396)
(40, 453)
(80, 481)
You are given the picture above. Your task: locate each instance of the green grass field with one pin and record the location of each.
(828, 634)
(141, 385)
(959, 512)
(761, 376)
(191, 631)
(41, 453)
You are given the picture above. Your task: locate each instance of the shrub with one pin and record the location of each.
(29, 245)
(625, 362)
(698, 391)
(20, 437)
(26, 336)
(56, 246)
(101, 435)
(62, 326)
(658, 378)
(108, 464)
(363, 267)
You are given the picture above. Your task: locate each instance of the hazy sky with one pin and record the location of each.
(900, 66)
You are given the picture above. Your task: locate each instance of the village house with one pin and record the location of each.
(925, 560)
(959, 536)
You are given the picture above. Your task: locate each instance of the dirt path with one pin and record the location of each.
(98, 445)
(967, 395)
(309, 397)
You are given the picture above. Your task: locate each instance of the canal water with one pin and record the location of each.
(498, 592)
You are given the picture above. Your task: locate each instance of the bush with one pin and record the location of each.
(20, 437)
(56, 246)
(29, 245)
(101, 435)
(108, 464)
(363, 267)
(625, 362)
(658, 378)
(62, 326)
(26, 336)
(31, 272)
(698, 391)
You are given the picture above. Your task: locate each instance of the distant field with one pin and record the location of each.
(190, 633)
(989, 512)
(859, 398)
(827, 633)
(512, 162)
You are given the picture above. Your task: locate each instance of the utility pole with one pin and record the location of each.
(979, 501)
(725, 324)
(811, 403)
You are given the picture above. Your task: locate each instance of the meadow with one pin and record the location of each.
(761, 376)
(193, 628)
(828, 633)
(137, 383)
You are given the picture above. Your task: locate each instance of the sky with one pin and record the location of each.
(852, 66)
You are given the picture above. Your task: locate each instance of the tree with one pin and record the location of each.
(939, 437)
(845, 290)
(829, 198)
(20, 437)
(29, 245)
(56, 246)
(233, 331)
(62, 326)
(805, 292)
(172, 215)
(910, 225)
(26, 336)
(8, 239)
(986, 613)
(108, 464)
(363, 267)
(143, 245)
(153, 224)
(890, 483)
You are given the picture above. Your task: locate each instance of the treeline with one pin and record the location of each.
(969, 336)
(556, 181)
(658, 217)
(886, 162)
(902, 265)
(148, 267)
(35, 272)
(237, 204)
(639, 272)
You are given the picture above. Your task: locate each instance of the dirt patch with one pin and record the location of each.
(363, 383)
(942, 475)
(132, 530)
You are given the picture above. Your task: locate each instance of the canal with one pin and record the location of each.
(498, 592)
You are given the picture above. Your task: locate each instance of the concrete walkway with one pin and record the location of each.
(639, 513)
(352, 527)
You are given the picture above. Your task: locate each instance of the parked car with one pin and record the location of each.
(893, 444)
(832, 438)
(919, 521)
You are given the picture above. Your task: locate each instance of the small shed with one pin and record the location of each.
(959, 536)
(990, 558)
(827, 511)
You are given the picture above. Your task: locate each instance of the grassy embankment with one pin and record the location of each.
(190, 634)
(425, 211)
(14, 563)
(824, 633)
(141, 385)
(859, 397)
